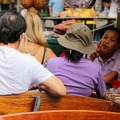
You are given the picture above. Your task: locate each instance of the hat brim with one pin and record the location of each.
(76, 46)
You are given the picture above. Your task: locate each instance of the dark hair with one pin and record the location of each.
(116, 30)
(74, 56)
(12, 25)
(107, 1)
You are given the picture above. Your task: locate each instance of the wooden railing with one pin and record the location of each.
(36, 101)
(64, 115)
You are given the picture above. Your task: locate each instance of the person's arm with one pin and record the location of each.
(111, 76)
(41, 76)
(97, 53)
(50, 5)
(54, 86)
(101, 87)
(93, 56)
(50, 11)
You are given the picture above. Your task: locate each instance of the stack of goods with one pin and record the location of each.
(77, 12)
(50, 34)
(113, 94)
(62, 27)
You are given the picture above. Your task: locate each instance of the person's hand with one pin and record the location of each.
(33, 87)
(97, 53)
(96, 13)
(99, 44)
(41, 88)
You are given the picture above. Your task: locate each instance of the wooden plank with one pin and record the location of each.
(64, 115)
(75, 103)
(17, 103)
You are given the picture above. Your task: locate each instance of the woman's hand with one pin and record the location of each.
(97, 53)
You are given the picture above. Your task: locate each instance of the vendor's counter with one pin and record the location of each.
(78, 18)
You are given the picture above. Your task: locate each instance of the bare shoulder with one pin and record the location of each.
(40, 53)
(50, 53)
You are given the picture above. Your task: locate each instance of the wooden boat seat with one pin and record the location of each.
(38, 101)
(10, 104)
(63, 115)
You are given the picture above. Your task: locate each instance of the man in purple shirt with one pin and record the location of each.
(80, 75)
(111, 64)
(107, 54)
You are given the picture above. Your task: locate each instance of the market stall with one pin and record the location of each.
(84, 15)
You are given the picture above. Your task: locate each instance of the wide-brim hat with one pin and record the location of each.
(78, 37)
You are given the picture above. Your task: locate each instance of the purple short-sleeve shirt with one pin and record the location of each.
(110, 65)
(79, 78)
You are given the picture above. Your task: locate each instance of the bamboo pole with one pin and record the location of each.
(118, 18)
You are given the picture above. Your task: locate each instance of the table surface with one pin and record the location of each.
(77, 18)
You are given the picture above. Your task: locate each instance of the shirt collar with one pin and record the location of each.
(114, 56)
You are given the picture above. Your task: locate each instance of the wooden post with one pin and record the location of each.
(18, 5)
(118, 19)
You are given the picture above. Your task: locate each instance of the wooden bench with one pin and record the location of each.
(74, 103)
(36, 101)
(63, 115)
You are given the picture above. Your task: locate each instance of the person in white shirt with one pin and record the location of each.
(18, 71)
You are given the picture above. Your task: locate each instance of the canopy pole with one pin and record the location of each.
(18, 5)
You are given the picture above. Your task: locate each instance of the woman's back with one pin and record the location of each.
(41, 53)
(79, 78)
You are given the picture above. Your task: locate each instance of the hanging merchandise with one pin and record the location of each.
(40, 4)
(27, 3)
(34, 5)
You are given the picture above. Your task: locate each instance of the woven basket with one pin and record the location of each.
(40, 4)
(27, 3)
